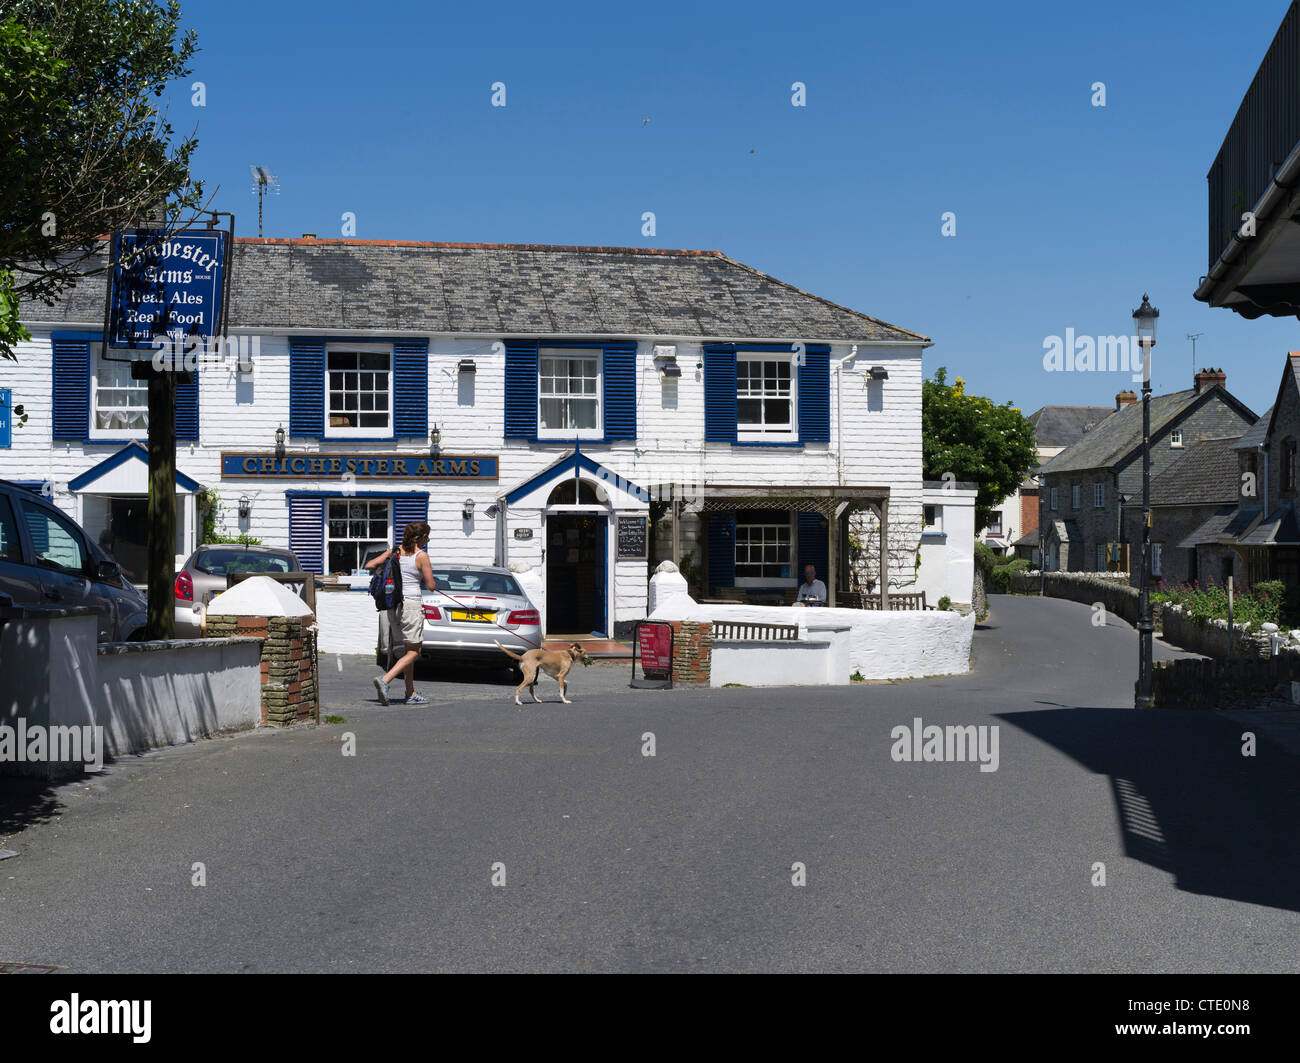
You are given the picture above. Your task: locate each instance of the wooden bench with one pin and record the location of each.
(753, 631)
(901, 601)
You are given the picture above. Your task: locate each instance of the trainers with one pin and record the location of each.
(417, 699)
(382, 689)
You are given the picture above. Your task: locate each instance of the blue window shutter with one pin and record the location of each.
(187, 408)
(407, 511)
(720, 394)
(815, 396)
(521, 389)
(411, 388)
(722, 549)
(71, 389)
(620, 391)
(814, 544)
(306, 387)
(307, 532)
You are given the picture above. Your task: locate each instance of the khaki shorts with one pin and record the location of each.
(407, 620)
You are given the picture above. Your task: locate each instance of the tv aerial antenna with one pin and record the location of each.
(1194, 336)
(265, 183)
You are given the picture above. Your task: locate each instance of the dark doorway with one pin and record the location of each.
(575, 574)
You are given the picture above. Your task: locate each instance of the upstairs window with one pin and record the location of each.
(1099, 495)
(765, 397)
(1176, 437)
(569, 394)
(118, 403)
(1075, 496)
(358, 392)
(1052, 499)
(995, 522)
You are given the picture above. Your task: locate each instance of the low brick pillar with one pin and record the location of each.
(692, 651)
(290, 692)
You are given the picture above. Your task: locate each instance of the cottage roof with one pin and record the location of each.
(512, 289)
(1121, 433)
(1059, 426)
(1205, 474)
(1279, 528)
(1256, 434)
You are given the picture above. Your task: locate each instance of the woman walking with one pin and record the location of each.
(407, 617)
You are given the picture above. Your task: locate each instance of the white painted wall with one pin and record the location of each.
(948, 557)
(144, 695)
(880, 432)
(881, 645)
(822, 659)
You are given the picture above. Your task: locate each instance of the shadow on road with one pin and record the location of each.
(1189, 803)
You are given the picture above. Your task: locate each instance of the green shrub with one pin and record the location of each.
(985, 559)
(945, 603)
(1000, 580)
(1261, 604)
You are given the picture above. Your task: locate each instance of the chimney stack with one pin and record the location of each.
(1208, 378)
(1125, 398)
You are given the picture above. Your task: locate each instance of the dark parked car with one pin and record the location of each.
(204, 574)
(47, 559)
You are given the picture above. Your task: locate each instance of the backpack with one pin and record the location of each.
(386, 584)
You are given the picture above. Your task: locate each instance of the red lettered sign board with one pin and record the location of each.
(656, 646)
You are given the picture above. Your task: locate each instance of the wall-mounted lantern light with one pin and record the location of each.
(665, 359)
(493, 510)
(279, 440)
(435, 439)
(466, 365)
(879, 372)
(467, 509)
(245, 507)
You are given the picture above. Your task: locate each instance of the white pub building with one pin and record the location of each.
(536, 405)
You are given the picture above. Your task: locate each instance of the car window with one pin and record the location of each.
(469, 582)
(55, 540)
(10, 548)
(220, 562)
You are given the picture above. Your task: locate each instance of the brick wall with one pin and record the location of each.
(692, 651)
(289, 675)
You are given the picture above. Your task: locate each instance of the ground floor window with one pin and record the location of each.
(763, 542)
(353, 528)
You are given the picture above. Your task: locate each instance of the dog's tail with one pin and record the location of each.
(509, 653)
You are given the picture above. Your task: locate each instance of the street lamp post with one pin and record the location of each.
(1144, 324)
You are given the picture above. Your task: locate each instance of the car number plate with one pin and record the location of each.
(473, 616)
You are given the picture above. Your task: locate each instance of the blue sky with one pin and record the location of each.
(1065, 212)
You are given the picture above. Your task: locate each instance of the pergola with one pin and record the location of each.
(831, 501)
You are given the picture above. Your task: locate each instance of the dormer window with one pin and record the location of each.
(1176, 437)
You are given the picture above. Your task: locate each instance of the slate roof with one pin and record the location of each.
(1206, 473)
(1060, 426)
(511, 289)
(1257, 433)
(1121, 432)
(1279, 528)
(1213, 528)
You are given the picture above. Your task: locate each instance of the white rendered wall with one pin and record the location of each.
(948, 565)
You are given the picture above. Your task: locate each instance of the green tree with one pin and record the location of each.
(975, 441)
(85, 149)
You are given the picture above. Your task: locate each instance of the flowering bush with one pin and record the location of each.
(1261, 604)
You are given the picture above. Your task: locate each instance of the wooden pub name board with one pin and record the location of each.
(361, 466)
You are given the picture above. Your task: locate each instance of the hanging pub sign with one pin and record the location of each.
(166, 286)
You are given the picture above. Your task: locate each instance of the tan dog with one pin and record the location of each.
(555, 663)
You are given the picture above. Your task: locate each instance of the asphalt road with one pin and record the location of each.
(615, 861)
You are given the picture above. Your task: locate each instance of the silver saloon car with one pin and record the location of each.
(204, 573)
(473, 608)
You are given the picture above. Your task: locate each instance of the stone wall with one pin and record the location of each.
(1212, 638)
(1220, 684)
(288, 668)
(1088, 588)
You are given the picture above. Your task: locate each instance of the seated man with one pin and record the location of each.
(812, 591)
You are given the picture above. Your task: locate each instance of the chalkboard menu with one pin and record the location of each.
(632, 538)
